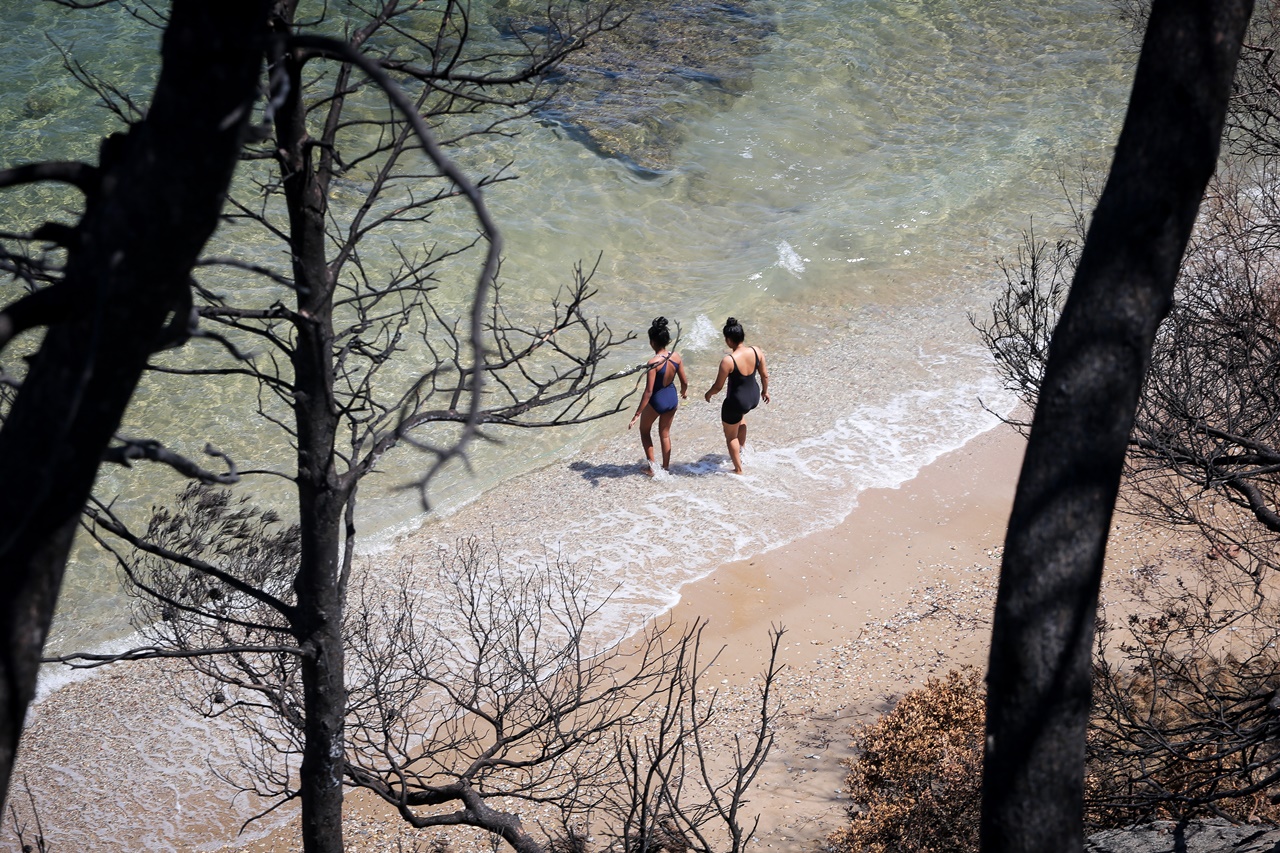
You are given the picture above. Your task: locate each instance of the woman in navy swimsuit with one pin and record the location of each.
(739, 369)
(660, 401)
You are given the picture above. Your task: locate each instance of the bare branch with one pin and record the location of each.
(43, 307)
(82, 176)
(133, 449)
(85, 660)
(475, 373)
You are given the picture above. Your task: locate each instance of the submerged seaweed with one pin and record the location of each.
(631, 91)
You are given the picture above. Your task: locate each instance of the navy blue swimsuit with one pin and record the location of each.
(664, 397)
(743, 395)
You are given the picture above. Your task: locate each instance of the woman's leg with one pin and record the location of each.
(742, 434)
(647, 417)
(735, 446)
(664, 435)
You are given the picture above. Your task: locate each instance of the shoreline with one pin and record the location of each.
(899, 591)
(864, 564)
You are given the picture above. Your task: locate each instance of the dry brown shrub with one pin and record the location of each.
(915, 786)
(1176, 732)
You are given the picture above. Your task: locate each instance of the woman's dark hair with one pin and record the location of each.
(733, 330)
(658, 332)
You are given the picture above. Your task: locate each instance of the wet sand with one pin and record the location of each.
(899, 591)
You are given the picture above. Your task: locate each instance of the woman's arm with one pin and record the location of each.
(764, 377)
(684, 380)
(725, 366)
(644, 398)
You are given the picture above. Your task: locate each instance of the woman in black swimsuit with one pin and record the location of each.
(659, 401)
(739, 369)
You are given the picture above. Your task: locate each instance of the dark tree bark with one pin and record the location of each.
(158, 192)
(323, 494)
(337, 323)
(1039, 675)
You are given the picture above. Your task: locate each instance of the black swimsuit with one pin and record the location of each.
(744, 393)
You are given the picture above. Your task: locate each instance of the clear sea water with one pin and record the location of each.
(849, 208)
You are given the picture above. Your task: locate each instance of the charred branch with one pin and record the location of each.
(45, 307)
(345, 52)
(82, 176)
(188, 557)
(85, 660)
(131, 450)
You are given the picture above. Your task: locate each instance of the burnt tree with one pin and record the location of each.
(123, 293)
(1040, 666)
(340, 337)
(481, 689)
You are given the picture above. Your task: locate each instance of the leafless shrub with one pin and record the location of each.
(476, 687)
(29, 832)
(1185, 719)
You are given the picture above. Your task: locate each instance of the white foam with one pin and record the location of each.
(698, 517)
(702, 336)
(789, 260)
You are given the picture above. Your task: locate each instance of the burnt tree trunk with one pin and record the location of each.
(160, 189)
(322, 493)
(1040, 666)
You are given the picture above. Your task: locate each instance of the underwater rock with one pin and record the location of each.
(45, 100)
(629, 93)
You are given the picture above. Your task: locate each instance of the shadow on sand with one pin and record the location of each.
(709, 464)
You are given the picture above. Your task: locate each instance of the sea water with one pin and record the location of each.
(849, 207)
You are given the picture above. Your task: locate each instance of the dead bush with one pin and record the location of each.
(915, 785)
(1185, 720)
(1178, 730)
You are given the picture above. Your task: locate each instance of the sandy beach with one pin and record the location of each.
(900, 591)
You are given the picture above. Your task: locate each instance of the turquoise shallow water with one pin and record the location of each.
(849, 207)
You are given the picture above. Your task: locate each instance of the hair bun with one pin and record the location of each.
(732, 321)
(658, 331)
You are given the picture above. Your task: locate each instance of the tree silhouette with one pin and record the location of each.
(1040, 666)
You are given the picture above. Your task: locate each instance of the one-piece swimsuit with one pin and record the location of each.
(664, 397)
(743, 395)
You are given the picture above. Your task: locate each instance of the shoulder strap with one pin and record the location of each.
(757, 354)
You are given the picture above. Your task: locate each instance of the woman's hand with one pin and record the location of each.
(764, 395)
(634, 418)
(708, 396)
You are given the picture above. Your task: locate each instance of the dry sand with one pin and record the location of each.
(901, 590)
